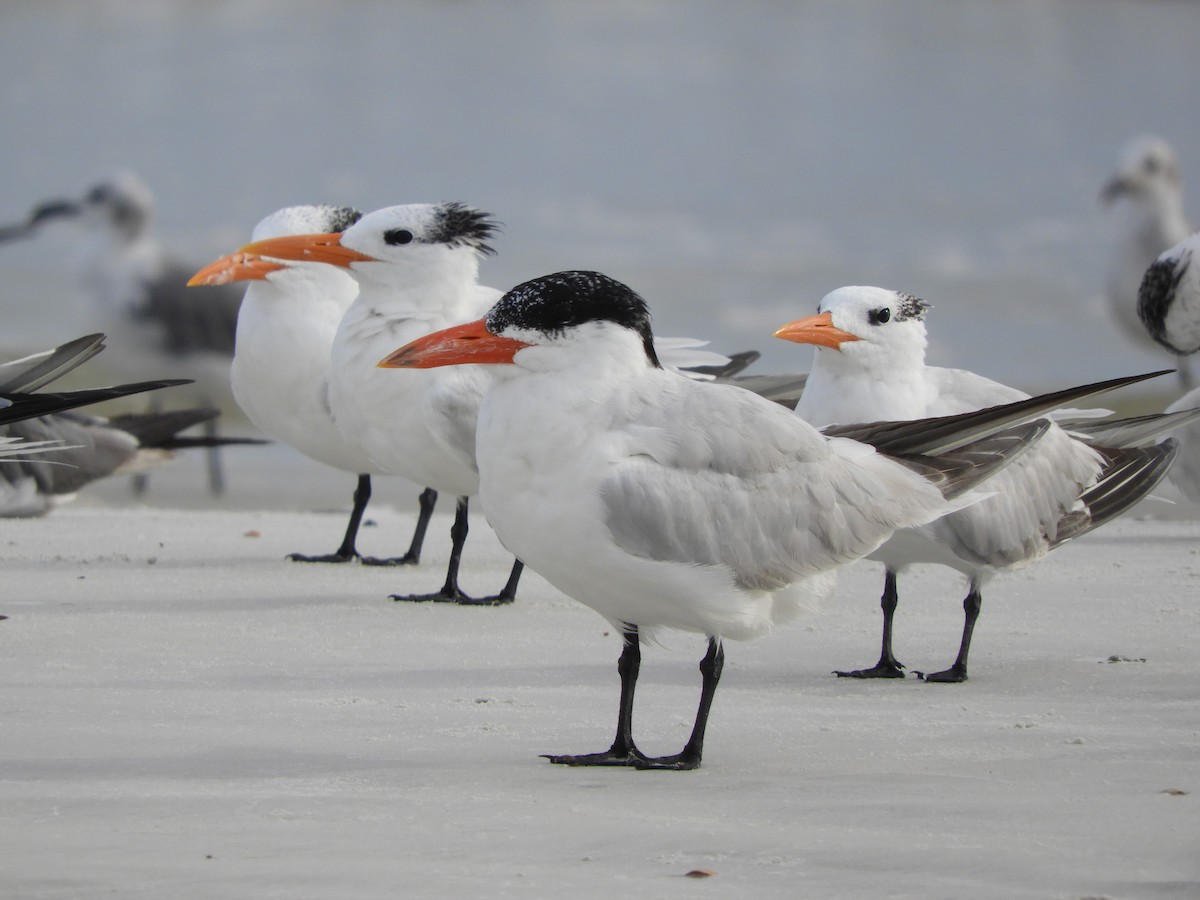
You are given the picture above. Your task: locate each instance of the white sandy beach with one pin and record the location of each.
(186, 714)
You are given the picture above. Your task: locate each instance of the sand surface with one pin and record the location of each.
(187, 714)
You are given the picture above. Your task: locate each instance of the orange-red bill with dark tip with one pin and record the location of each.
(818, 329)
(321, 248)
(469, 344)
(235, 267)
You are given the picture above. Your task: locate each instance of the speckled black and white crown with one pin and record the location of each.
(339, 218)
(319, 219)
(910, 307)
(459, 225)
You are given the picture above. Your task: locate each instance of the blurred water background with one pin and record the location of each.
(732, 162)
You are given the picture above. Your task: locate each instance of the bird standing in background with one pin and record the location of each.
(281, 367)
(417, 269)
(1169, 298)
(1169, 306)
(870, 364)
(1147, 192)
(137, 293)
(137, 290)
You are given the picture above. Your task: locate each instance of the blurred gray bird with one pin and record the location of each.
(1169, 307)
(1146, 192)
(137, 292)
(1169, 298)
(136, 285)
(73, 450)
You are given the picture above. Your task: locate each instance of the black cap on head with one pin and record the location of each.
(550, 304)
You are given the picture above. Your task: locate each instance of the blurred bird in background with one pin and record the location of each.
(136, 293)
(1146, 192)
(73, 450)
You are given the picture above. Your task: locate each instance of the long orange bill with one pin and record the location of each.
(235, 267)
(471, 343)
(322, 248)
(818, 329)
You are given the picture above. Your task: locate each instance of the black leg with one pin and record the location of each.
(623, 752)
(508, 593)
(348, 551)
(887, 667)
(425, 504)
(450, 592)
(139, 483)
(710, 674)
(212, 454)
(958, 671)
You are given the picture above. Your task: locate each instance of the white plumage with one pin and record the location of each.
(1146, 192)
(659, 501)
(281, 367)
(416, 267)
(870, 364)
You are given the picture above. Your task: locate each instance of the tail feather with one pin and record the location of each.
(783, 389)
(1134, 431)
(152, 428)
(737, 362)
(39, 369)
(1128, 475)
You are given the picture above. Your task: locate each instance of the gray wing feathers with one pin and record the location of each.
(960, 470)
(783, 389)
(96, 451)
(1130, 432)
(1129, 475)
(32, 372)
(784, 505)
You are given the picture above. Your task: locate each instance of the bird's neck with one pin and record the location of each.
(840, 390)
(1158, 219)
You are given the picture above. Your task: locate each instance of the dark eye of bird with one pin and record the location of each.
(879, 316)
(398, 236)
(1150, 165)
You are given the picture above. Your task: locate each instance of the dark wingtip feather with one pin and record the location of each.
(957, 471)
(937, 435)
(29, 406)
(1128, 476)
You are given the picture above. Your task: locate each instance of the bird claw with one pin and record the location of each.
(632, 759)
(952, 675)
(406, 560)
(879, 670)
(457, 597)
(324, 558)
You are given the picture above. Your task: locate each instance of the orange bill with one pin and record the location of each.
(818, 329)
(465, 344)
(321, 248)
(235, 267)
